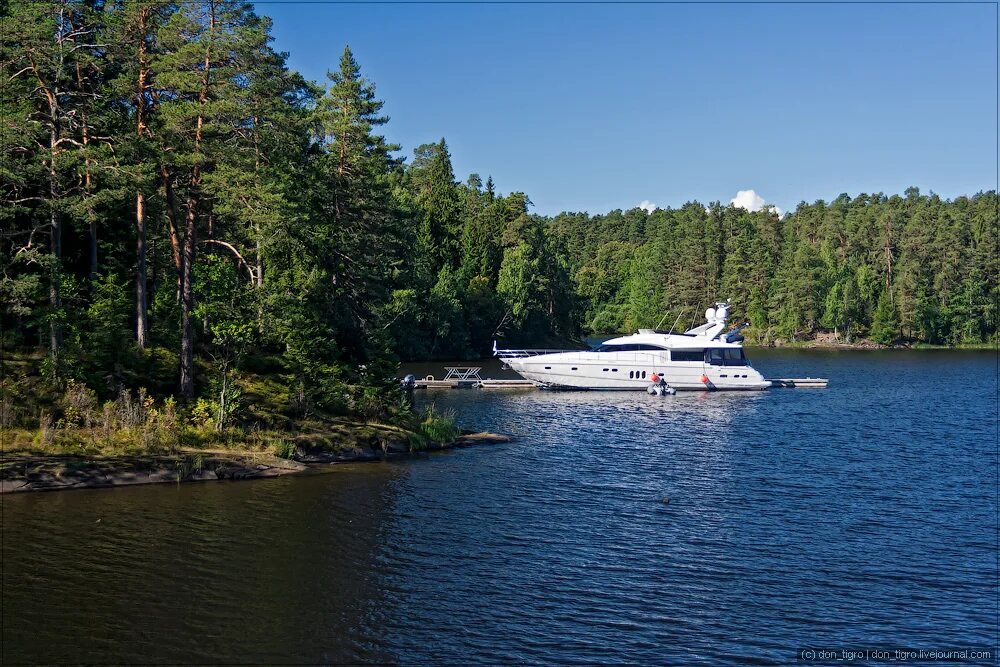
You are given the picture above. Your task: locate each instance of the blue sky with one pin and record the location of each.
(596, 107)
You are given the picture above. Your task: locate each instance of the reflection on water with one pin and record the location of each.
(198, 573)
(863, 514)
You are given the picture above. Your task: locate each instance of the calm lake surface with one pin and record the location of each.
(864, 514)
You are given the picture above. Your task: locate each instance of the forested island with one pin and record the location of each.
(187, 218)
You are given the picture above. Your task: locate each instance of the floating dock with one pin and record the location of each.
(800, 383)
(472, 384)
(467, 377)
(506, 384)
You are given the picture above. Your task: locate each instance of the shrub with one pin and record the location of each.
(78, 405)
(45, 435)
(126, 412)
(439, 427)
(203, 413)
(12, 393)
(369, 403)
(284, 449)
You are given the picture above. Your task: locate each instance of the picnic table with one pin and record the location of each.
(464, 373)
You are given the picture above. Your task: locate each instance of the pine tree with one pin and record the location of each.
(885, 323)
(438, 202)
(50, 59)
(199, 79)
(334, 290)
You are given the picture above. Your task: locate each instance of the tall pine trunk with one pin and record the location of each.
(141, 323)
(92, 277)
(141, 298)
(87, 193)
(187, 302)
(88, 188)
(55, 235)
(187, 286)
(259, 275)
(173, 228)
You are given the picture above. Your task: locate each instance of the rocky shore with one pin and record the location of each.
(829, 341)
(23, 472)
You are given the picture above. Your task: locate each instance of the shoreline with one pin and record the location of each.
(869, 345)
(23, 472)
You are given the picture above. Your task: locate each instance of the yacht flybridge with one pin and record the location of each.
(698, 359)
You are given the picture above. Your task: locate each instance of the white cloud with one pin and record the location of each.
(648, 206)
(749, 200)
(752, 202)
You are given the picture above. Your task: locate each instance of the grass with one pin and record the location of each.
(66, 435)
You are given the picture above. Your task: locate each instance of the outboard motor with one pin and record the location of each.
(408, 382)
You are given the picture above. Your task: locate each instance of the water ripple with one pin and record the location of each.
(617, 528)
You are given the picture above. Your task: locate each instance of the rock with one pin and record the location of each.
(481, 439)
(46, 473)
(235, 472)
(397, 447)
(12, 485)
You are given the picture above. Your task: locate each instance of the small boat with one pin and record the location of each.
(702, 358)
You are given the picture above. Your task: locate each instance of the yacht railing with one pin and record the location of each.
(520, 354)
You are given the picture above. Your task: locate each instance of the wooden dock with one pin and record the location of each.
(800, 383)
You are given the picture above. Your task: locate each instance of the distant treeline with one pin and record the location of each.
(169, 185)
(909, 268)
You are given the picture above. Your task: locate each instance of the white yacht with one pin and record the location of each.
(702, 358)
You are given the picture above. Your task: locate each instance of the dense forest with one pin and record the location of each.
(174, 197)
(894, 269)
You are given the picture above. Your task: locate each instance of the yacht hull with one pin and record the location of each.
(632, 372)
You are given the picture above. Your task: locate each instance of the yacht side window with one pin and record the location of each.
(687, 355)
(716, 357)
(734, 357)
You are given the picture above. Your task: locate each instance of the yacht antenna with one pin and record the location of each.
(676, 321)
(660, 324)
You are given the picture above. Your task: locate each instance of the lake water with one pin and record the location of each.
(860, 515)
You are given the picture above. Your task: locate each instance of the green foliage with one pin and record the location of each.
(78, 405)
(203, 413)
(439, 427)
(107, 323)
(822, 266)
(885, 323)
(283, 448)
